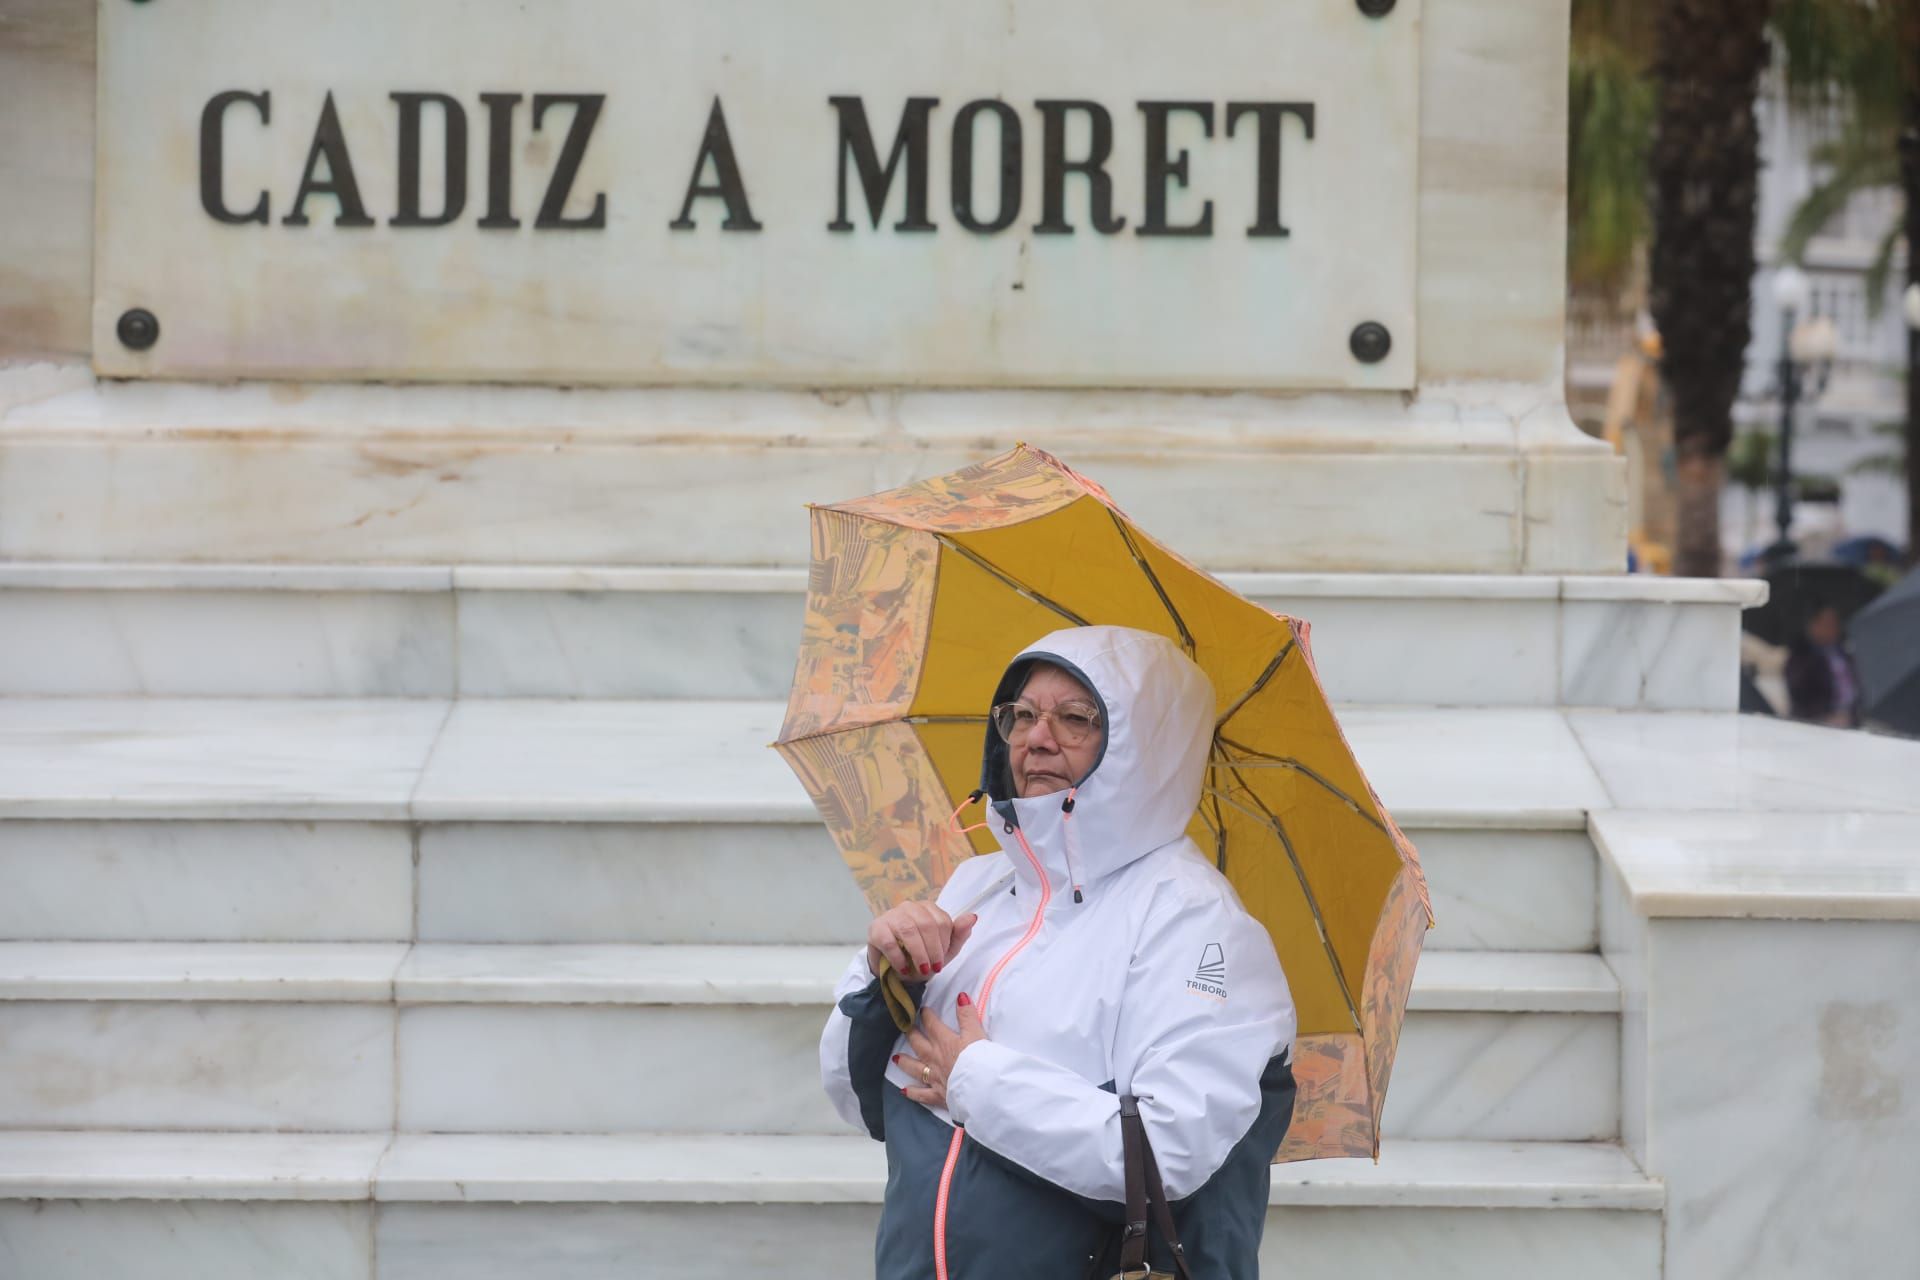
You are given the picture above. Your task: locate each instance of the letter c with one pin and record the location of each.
(212, 159)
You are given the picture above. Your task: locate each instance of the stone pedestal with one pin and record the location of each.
(1770, 1021)
(1463, 461)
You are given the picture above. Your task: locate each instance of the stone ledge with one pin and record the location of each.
(66, 401)
(578, 631)
(1774, 866)
(27, 575)
(750, 1169)
(68, 1165)
(633, 974)
(439, 760)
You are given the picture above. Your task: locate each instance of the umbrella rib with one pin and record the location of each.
(1126, 535)
(946, 719)
(1265, 760)
(1219, 824)
(1258, 684)
(1313, 904)
(1014, 582)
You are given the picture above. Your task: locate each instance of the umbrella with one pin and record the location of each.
(1866, 549)
(1799, 589)
(1885, 637)
(916, 601)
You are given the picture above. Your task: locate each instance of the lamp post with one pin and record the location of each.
(1806, 358)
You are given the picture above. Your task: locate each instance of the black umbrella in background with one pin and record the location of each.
(1797, 590)
(1885, 637)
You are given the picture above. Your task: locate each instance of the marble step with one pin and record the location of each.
(549, 821)
(77, 1206)
(505, 1039)
(713, 632)
(620, 882)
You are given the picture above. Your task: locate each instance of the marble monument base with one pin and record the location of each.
(1489, 480)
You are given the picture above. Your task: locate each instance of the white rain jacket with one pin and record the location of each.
(1155, 982)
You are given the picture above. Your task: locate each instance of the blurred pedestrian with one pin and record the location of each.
(1822, 684)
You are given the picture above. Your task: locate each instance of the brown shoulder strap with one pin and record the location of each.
(1144, 1192)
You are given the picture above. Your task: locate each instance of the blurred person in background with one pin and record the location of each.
(1821, 681)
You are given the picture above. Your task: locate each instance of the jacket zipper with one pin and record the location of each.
(986, 991)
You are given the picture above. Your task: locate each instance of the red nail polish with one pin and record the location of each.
(926, 970)
(936, 968)
(896, 1059)
(963, 999)
(903, 1091)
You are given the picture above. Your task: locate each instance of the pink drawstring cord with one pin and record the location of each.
(986, 994)
(953, 819)
(940, 1204)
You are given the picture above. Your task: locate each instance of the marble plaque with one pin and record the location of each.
(849, 192)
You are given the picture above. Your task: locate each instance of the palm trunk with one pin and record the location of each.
(1698, 479)
(1705, 166)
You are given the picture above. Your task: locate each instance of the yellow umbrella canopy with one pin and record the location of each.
(918, 598)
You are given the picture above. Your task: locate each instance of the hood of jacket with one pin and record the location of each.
(1157, 707)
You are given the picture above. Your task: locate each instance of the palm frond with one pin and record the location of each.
(1868, 148)
(1611, 103)
(1891, 463)
(1841, 52)
(1856, 167)
(1881, 271)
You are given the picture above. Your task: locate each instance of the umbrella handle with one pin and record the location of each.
(893, 987)
(900, 1003)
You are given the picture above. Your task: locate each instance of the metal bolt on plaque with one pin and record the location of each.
(1370, 342)
(138, 329)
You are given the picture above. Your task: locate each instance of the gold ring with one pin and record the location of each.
(926, 1074)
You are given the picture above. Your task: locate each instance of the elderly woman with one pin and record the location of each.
(1108, 957)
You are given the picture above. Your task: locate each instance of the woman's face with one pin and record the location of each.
(1041, 762)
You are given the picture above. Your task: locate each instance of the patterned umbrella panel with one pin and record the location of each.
(916, 601)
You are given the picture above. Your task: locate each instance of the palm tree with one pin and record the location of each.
(1610, 128)
(1705, 165)
(1862, 58)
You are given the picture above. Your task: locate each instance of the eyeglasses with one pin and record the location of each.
(1072, 722)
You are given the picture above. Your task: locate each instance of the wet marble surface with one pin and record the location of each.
(212, 758)
(199, 881)
(581, 631)
(1786, 865)
(190, 1240)
(1779, 1086)
(118, 1165)
(647, 882)
(1756, 764)
(198, 643)
(93, 1064)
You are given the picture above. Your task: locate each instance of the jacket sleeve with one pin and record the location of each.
(855, 1045)
(1206, 1008)
(860, 1036)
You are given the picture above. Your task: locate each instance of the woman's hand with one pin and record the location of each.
(936, 1047)
(916, 938)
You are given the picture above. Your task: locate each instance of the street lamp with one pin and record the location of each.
(1806, 359)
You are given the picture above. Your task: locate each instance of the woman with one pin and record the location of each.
(1113, 960)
